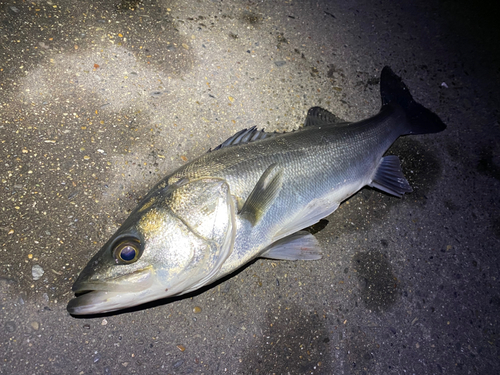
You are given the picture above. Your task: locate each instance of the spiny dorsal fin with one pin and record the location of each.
(317, 116)
(245, 136)
(263, 194)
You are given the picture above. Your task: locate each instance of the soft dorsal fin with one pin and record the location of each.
(245, 136)
(317, 116)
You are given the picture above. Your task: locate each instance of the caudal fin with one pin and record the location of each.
(421, 120)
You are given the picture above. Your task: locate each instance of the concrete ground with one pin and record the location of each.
(99, 100)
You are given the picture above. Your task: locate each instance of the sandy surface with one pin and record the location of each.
(98, 102)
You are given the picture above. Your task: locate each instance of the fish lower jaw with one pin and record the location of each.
(101, 301)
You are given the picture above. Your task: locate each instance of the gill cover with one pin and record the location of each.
(206, 207)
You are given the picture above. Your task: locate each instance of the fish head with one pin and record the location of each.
(174, 242)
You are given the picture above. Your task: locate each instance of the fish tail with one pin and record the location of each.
(420, 119)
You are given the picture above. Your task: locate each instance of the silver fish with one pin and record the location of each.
(250, 197)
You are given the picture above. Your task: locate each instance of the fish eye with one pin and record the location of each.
(127, 251)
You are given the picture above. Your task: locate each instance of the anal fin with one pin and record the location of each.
(309, 215)
(298, 246)
(389, 178)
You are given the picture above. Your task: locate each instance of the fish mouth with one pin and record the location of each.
(100, 302)
(132, 282)
(104, 296)
(98, 297)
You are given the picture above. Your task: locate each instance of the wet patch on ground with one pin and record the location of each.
(379, 285)
(250, 18)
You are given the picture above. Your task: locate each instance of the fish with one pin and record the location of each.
(250, 197)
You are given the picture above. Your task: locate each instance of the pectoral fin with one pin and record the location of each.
(263, 194)
(298, 246)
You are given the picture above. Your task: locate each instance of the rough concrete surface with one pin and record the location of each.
(99, 100)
